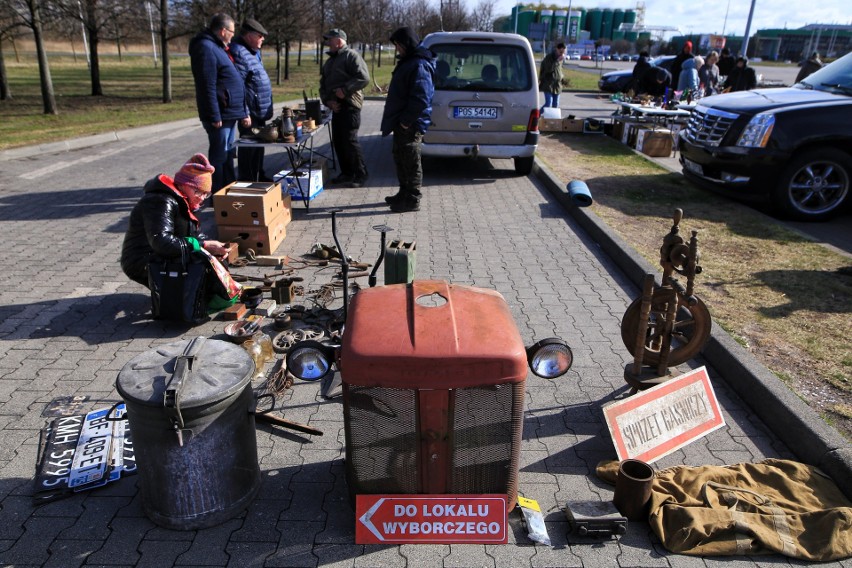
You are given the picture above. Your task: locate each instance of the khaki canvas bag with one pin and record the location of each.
(775, 506)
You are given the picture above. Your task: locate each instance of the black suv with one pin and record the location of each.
(790, 147)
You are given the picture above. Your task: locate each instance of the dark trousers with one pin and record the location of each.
(344, 129)
(250, 160)
(221, 152)
(406, 156)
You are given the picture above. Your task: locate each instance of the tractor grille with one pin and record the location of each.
(487, 428)
(484, 431)
(708, 126)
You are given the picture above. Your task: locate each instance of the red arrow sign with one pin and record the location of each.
(436, 519)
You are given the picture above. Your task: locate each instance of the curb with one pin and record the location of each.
(785, 414)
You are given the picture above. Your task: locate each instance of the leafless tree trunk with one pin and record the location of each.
(47, 96)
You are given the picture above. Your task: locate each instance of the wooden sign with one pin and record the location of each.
(436, 519)
(660, 420)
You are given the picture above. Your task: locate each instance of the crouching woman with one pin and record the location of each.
(164, 232)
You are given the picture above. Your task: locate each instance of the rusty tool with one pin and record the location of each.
(247, 278)
(277, 421)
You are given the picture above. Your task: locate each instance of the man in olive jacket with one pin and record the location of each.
(550, 76)
(343, 76)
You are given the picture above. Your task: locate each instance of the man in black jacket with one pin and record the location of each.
(408, 112)
(742, 77)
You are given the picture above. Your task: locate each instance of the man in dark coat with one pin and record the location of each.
(812, 64)
(342, 80)
(642, 65)
(219, 94)
(677, 64)
(742, 77)
(655, 82)
(726, 62)
(408, 112)
(246, 51)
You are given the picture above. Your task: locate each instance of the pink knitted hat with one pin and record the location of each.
(196, 174)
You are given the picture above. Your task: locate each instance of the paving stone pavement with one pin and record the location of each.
(70, 320)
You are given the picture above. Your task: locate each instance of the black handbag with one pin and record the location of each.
(179, 288)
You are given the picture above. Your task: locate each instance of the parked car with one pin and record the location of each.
(626, 57)
(619, 81)
(586, 57)
(474, 113)
(788, 147)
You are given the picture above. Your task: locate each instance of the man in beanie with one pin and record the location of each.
(246, 51)
(742, 77)
(219, 94)
(408, 113)
(163, 225)
(677, 64)
(342, 79)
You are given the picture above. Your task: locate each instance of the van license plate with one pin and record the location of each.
(693, 167)
(475, 112)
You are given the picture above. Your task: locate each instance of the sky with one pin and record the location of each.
(709, 17)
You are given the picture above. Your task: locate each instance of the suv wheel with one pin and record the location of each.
(523, 166)
(815, 185)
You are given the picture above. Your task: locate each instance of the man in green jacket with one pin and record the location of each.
(343, 77)
(550, 76)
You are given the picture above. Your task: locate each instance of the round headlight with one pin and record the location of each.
(309, 360)
(550, 358)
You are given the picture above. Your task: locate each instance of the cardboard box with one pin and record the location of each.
(261, 239)
(238, 204)
(572, 125)
(550, 125)
(593, 126)
(290, 184)
(654, 143)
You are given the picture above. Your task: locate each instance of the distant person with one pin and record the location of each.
(342, 80)
(742, 77)
(684, 55)
(642, 65)
(688, 81)
(219, 94)
(655, 82)
(726, 62)
(814, 63)
(550, 76)
(407, 114)
(708, 75)
(246, 51)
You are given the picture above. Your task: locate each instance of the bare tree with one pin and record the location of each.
(482, 16)
(29, 13)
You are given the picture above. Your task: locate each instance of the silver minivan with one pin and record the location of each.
(486, 97)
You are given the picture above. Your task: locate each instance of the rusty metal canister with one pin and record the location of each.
(190, 407)
(633, 486)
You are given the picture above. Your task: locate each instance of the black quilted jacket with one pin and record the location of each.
(159, 223)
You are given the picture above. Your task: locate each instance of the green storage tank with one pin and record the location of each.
(617, 34)
(606, 23)
(631, 36)
(630, 16)
(525, 18)
(644, 36)
(582, 19)
(617, 20)
(546, 17)
(560, 24)
(594, 18)
(574, 26)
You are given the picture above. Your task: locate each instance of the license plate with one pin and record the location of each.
(475, 112)
(693, 167)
